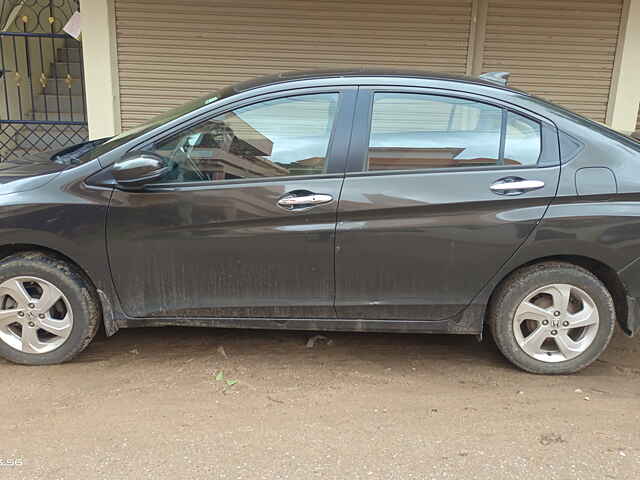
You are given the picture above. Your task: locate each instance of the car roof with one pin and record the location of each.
(356, 72)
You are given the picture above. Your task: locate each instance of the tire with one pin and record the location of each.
(74, 317)
(548, 286)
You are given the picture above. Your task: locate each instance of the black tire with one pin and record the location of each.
(79, 292)
(522, 283)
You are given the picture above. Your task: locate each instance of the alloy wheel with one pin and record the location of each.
(556, 323)
(35, 316)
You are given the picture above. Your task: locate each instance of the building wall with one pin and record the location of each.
(161, 54)
(563, 51)
(100, 68)
(169, 53)
(625, 96)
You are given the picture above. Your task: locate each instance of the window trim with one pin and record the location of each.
(336, 147)
(357, 160)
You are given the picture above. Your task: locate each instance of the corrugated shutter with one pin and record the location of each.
(170, 52)
(561, 50)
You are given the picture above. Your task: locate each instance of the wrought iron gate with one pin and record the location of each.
(42, 95)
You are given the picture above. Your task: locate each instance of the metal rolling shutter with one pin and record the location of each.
(563, 51)
(170, 52)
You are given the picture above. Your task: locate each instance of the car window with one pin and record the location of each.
(108, 144)
(523, 140)
(275, 138)
(417, 131)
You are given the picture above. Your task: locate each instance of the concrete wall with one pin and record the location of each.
(100, 67)
(625, 96)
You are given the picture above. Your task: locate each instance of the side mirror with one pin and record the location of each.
(136, 170)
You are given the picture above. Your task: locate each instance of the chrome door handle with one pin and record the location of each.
(515, 186)
(299, 202)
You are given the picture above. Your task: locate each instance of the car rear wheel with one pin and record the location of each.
(552, 318)
(48, 309)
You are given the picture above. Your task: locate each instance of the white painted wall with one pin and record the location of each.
(625, 96)
(100, 67)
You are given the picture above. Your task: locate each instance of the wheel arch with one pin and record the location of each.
(603, 272)
(15, 248)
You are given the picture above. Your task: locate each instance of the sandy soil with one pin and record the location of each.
(151, 403)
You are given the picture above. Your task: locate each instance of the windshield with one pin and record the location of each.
(109, 144)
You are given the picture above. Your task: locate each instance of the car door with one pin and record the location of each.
(441, 189)
(244, 224)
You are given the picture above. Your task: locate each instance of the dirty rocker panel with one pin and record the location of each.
(320, 324)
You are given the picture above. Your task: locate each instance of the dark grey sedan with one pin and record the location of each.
(353, 200)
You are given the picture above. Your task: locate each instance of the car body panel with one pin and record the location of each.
(420, 246)
(227, 251)
(31, 172)
(226, 248)
(64, 215)
(67, 213)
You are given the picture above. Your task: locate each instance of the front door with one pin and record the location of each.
(442, 190)
(244, 225)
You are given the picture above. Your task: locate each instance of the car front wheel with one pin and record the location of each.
(48, 309)
(552, 318)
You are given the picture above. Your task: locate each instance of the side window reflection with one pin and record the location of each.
(420, 131)
(276, 138)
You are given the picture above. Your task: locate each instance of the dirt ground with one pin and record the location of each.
(152, 403)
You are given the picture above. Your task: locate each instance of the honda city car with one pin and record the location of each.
(358, 200)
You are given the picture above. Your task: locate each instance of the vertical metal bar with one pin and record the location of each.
(55, 61)
(6, 94)
(15, 56)
(55, 73)
(84, 99)
(44, 88)
(70, 84)
(30, 75)
(4, 79)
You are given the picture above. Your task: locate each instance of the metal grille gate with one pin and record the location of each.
(42, 96)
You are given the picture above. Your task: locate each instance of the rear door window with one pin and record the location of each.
(413, 131)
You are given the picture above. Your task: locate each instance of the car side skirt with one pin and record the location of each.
(316, 324)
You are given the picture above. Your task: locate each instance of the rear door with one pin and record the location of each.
(244, 225)
(441, 190)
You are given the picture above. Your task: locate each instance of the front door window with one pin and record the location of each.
(277, 138)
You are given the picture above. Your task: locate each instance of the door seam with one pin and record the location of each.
(337, 218)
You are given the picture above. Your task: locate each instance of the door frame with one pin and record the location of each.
(548, 161)
(357, 158)
(338, 143)
(336, 159)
